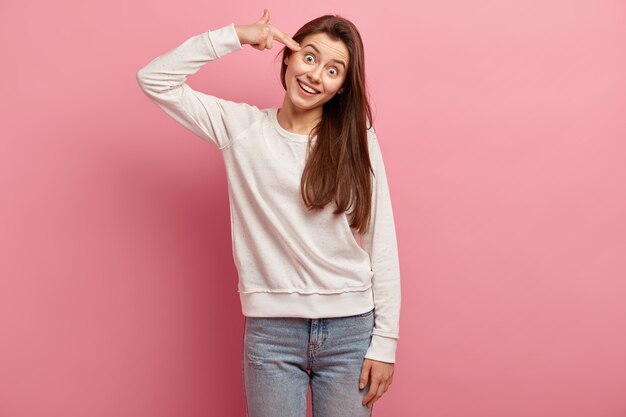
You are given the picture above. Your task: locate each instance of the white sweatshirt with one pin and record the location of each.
(291, 262)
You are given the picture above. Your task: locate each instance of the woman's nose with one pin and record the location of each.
(315, 75)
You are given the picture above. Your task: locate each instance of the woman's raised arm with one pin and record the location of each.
(214, 119)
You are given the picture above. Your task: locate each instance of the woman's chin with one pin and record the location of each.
(304, 105)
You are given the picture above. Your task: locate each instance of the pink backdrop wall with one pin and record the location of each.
(503, 128)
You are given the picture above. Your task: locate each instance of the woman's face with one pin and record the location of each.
(320, 65)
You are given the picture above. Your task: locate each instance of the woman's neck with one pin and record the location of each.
(298, 121)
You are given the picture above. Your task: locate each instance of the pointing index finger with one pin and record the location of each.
(287, 40)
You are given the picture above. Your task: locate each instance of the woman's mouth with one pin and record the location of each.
(308, 90)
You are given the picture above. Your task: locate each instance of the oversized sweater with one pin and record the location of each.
(291, 261)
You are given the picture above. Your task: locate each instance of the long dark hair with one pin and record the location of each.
(338, 166)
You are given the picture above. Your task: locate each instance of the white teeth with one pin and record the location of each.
(306, 88)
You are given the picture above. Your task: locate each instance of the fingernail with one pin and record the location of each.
(361, 385)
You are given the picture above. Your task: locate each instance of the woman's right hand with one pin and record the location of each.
(260, 35)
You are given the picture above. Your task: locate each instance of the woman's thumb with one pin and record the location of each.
(266, 16)
(365, 373)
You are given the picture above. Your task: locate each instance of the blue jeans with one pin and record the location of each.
(282, 356)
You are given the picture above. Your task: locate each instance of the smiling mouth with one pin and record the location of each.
(307, 88)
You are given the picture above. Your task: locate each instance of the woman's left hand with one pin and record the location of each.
(379, 375)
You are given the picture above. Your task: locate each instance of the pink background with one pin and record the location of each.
(503, 129)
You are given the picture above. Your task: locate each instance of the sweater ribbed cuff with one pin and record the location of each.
(224, 40)
(382, 349)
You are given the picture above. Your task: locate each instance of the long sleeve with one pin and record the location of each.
(163, 79)
(380, 243)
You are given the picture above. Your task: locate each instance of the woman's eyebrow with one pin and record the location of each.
(318, 51)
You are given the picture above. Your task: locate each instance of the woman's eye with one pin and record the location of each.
(307, 56)
(333, 71)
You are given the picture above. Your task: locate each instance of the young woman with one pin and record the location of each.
(313, 232)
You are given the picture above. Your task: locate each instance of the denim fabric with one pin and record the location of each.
(282, 356)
